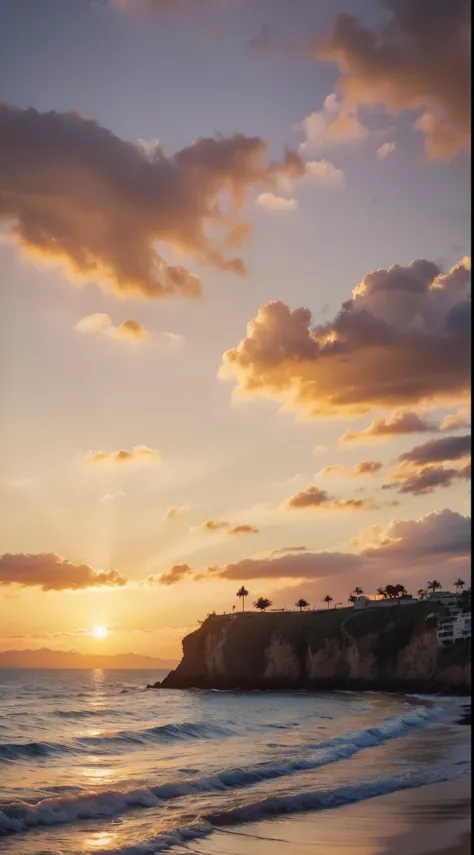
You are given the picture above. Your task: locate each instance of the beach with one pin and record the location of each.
(430, 819)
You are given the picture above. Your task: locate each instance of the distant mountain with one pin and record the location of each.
(46, 658)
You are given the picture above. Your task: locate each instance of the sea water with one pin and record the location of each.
(92, 761)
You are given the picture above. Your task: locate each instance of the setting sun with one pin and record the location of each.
(100, 632)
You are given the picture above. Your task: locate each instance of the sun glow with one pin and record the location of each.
(100, 632)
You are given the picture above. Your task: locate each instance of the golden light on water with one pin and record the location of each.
(100, 631)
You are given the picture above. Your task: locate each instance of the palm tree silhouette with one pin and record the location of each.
(434, 586)
(301, 604)
(382, 593)
(242, 593)
(422, 592)
(352, 598)
(262, 603)
(358, 592)
(459, 584)
(328, 599)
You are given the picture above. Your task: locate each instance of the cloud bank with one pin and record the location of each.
(440, 541)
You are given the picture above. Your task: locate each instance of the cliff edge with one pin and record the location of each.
(386, 649)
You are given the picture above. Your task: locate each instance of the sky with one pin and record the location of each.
(235, 255)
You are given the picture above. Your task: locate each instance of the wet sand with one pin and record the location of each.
(433, 819)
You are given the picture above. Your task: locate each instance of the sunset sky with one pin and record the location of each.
(234, 251)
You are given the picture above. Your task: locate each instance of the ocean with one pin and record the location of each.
(92, 762)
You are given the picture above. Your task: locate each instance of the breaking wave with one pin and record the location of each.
(20, 816)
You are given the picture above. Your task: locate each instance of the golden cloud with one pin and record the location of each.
(403, 338)
(99, 322)
(366, 467)
(138, 454)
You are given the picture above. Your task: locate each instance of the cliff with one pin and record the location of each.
(389, 649)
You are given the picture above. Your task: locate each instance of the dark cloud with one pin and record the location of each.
(438, 450)
(419, 60)
(74, 192)
(421, 470)
(313, 497)
(402, 339)
(53, 573)
(427, 479)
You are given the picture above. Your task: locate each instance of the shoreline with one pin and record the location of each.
(393, 687)
(434, 819)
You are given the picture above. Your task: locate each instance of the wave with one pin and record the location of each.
(20, 816)
(275, 805)
(108, 743)
(280, 805)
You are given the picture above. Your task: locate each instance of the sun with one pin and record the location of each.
(100, 632)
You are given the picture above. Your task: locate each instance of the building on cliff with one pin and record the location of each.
(366, 603)
(454, 624)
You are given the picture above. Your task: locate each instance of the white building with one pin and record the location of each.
(366, 603)
(453, 626)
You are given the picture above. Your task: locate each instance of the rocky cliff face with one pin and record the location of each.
(388, 649)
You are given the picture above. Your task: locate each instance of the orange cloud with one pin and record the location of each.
(397, 424)
(367, 467)
(419, 61)
(214, 525)
(175, 574)
(80, 195)
(243, 529)
(50, 572)
(313, 497)
(138, 454)
(403, 338)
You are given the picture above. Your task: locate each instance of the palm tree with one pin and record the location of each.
(358, 592)
(301, 604)
(434, 586)
(262, 603)
(328, 599)
(422, 592)
(459, 584)
(242, 592)
(382, 593)
(352, 599)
